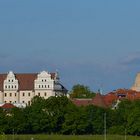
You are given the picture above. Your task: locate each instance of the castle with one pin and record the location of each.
(19, 88)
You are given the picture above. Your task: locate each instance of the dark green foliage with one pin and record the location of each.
(58, 115)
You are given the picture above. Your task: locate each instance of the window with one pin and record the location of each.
(5, 101)
(10, 101)
(29, 94)
(12, 80)
(15, 101)
(38, 94)
(15, 86)
(9, 80)
(23, 94)
(5, 86)
(9, 86)
(45, 94)
(42, 86)
(45, 86)
(10, 94)
(15, 94)
(39, 86)
(48, 86)
(23, 102)
(45, 80)
(5, 94)
(42, 80)
(12, 86)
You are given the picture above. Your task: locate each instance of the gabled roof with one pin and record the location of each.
(26, 80)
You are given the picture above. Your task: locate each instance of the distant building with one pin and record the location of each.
(19, 89)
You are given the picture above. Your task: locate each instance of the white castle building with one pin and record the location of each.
(19, 89)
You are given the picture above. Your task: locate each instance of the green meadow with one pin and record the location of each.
(68, 137)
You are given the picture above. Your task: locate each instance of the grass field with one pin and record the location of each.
(61, 137)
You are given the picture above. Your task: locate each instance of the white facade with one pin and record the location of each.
(19, 89)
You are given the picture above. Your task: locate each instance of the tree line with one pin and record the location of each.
(58, 115)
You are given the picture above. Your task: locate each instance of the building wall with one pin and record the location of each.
(10, 96)
(43, 86)
(26, 96)
(1, 98)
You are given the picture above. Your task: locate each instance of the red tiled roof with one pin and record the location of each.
(82, 102)
(108, 99)
(98, 100)
(7, 106)
(26, 80)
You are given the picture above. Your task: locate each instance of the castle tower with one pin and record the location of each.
(136, 85)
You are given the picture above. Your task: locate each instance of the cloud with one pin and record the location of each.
(132, 59)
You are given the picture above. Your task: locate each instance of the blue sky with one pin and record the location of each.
(91, 42)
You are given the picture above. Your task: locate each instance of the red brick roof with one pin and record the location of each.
(7, 106)
(26, 80)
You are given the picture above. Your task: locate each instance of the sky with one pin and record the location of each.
(91, 42)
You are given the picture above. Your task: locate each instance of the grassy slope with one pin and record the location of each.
(60, 137)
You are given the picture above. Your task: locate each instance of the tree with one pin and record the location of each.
(37, 117)
(133, 119)
(81, 91)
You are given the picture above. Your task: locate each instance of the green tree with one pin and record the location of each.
(37, 116)
(57, 107)
(3, 121)
(81, 91)
(133, 119)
